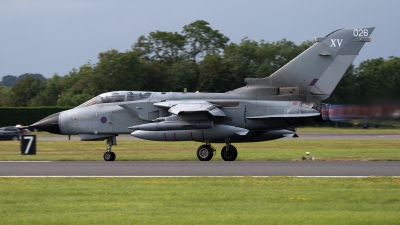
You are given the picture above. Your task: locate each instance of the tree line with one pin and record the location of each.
(11, 80)
(198, 58)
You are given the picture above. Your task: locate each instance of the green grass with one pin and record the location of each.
(278, 150)
(205, 200)
(200, 200)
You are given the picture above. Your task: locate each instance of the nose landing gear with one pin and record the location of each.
(108, 154)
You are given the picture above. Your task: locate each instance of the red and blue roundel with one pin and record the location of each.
(103, 119)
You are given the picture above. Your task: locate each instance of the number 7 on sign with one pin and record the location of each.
(29, 144)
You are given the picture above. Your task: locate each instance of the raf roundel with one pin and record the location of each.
(103, 119)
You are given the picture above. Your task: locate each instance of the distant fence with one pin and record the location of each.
(11, 116)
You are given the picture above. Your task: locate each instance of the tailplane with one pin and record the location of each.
(314, 74)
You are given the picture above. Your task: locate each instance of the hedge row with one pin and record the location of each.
(12, 116)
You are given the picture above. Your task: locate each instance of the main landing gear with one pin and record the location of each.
(108, 154)
(206, 152)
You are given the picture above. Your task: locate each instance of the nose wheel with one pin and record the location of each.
(108, 154)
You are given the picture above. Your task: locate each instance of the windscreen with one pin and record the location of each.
(116, 96)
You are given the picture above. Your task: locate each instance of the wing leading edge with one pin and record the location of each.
(191, 107)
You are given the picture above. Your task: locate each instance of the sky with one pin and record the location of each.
(56, 36)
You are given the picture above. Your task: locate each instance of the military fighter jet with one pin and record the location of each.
(264, 109)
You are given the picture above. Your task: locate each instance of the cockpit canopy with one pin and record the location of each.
(117, 96)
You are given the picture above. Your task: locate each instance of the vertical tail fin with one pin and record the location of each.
(315, 73)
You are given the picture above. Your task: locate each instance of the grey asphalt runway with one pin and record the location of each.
(220, 168)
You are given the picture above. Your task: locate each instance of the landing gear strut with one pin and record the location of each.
(229, 152)
(205, 152)
(108, 154)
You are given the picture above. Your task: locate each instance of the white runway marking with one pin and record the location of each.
(24, 161)
(190, 176)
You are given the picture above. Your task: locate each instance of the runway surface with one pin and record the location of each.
(220, 168)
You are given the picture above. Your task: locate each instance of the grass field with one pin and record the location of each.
(278, 150)
(204, 200)
(200, 200)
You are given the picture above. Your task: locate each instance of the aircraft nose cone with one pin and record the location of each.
(49, 124)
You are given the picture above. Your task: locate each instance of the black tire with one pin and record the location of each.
(15, 138)
(113, 156)
(229, 154)
(205, 153)
(109, 156)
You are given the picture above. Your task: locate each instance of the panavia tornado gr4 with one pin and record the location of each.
(264, 109)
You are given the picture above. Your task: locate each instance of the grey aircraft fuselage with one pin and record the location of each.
(99, 120)
(265, 109)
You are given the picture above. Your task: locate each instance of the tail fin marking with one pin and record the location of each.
(318, 70)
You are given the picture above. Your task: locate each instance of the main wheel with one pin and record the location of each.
(109, 156)
(205, 153)
(229, 154)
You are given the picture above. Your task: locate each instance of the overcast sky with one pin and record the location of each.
(55, 36)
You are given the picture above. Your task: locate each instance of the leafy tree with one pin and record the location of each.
(4, 93)
(214, 75)
(242, 59)
(33, 75)
(75, 86)
(49, 95)
(24, 91)
(156, 77)
(253, 59)
(372, 80)
(202, 39)
(183, 74)
(391, 73)
(116, 71)
(9, 80)
(161, 46)
(379, 79)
